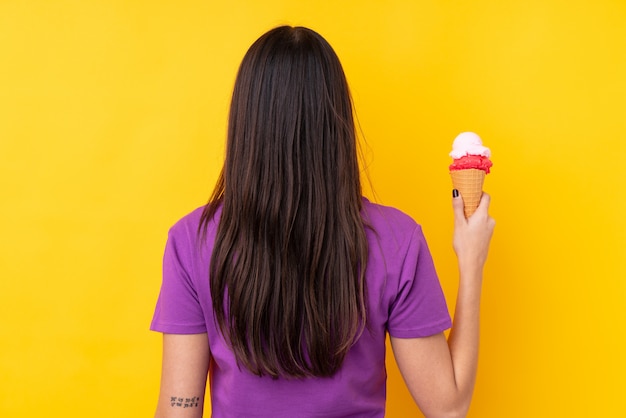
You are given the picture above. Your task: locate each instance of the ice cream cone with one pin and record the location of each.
(470, 184)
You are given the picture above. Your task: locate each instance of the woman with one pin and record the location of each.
(283, 287)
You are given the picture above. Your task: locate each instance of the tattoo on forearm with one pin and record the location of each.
(178, 402)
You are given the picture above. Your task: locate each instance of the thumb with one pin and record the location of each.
(457, 206)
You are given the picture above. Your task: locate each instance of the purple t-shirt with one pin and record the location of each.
(404, 299)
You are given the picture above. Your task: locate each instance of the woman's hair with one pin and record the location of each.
(287, 270)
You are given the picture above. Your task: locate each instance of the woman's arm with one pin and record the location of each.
(440, 375)
(184, 376)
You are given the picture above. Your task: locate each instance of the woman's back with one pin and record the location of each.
(404, 298)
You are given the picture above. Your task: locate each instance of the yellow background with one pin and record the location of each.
(112, 123)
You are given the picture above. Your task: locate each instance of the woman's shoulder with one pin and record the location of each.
(189, 224)
(391, 229)
(189, 219)
(381, 217)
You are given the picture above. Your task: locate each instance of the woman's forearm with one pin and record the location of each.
(464, 335)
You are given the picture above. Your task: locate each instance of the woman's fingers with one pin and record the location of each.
(457, 206)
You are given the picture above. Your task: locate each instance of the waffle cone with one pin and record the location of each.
(470, 184)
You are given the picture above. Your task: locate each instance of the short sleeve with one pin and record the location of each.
(419, 308)
(178, 309)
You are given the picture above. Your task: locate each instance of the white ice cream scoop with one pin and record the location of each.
(468, 143)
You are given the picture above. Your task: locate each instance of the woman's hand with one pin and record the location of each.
(472, 235)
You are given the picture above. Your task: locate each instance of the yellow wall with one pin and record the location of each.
(112, 120)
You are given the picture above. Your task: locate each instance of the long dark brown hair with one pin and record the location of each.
(287, 270)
